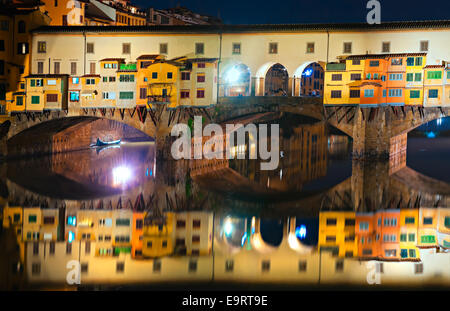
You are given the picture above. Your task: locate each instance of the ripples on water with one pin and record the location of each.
(131, 219)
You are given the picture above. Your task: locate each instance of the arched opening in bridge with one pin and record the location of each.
(69, 134)
(272, 231)
(309, 80)
(428, 149)
(276, 81)
(236, 80)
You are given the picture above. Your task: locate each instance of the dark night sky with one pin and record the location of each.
(307, 11)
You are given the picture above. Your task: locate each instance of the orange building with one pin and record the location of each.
(373, 86)
(387, 234)
(137, 234)
(365, 231)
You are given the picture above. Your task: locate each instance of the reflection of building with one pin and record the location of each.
(290, 262)
(158, 235)
(337, 233)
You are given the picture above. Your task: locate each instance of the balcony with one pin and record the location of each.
(336, 66)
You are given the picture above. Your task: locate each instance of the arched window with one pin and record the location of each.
(22, 27)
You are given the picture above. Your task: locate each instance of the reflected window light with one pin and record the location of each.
(71, 237)
(228, 228)
(300, 232)
(72, 221)
(244, 237)
(308, 72)
(439, 121)
(431, 135)
(121, 175)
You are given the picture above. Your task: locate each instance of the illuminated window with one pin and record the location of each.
(22, 48)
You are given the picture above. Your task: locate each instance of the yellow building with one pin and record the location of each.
(65, 12)
(143, 75)
(15, 38)
(126, 85)
(427, 228)
(433, 85)
(444, 227)
(108, 81)
(46, 92)
(90, 96)
(415, 78)
(13, 218)
(163, 83)
(337, 233)
(32, 219)
(409, 223)
(336, 88)
(158, 235)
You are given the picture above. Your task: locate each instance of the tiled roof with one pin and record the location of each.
(401, 25)
(47, 76)
(91, 76)
(149, 56)
(381, 56)
(113, 59)
(434, 66)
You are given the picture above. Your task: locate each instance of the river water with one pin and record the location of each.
(318, 218)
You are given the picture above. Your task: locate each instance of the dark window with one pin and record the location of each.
(355, 76)
(169, 75)
(349, 222)
(418, 268)
(2, 45)
(49, 220)
(84, 268)
(68, 248)
(386, 47)
(143, 93)
(374, 63)
(347, 47)
(229, 265)
(181, 223)
(199, 48)
(192, 266)
(302, 265)
(73, 68)
(273, 48)
(185, 76)
(236, 48)
(265, 265)
(336, 77)
(164, 244)
(428, 220)
(90, 48)
(339, 267)
(52, 98)
(36, 268)
(179, 242)
(163, 48)
(52, 248)
(87, 248)
(196, 223)
(157, 265)
(139, 223)
(21, 27)
(355, 93)
(120, 267)
(40, 67)
(154, 75)
(356, 62)
(336, 94)
(200, 93)
(331, 221)
(35, 248)
(126, 48)
(195, 239)
(201, 78)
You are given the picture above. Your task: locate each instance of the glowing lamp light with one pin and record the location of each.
(228, 228)
(233, 75)
(300, 232)
(121, 175)
(308, 72)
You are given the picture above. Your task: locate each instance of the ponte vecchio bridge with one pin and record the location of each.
(376, 131)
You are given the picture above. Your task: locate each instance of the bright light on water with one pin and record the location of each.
(121, 175)
(228, 228)
(431, 135)
(300, 232)
(439, 121)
